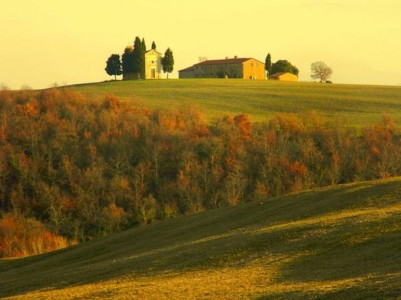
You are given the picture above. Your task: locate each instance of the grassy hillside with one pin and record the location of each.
(338, 243)
(359, 104)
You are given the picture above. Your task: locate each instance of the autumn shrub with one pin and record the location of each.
(20, 236)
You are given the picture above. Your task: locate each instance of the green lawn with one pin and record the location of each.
(340, 242)
(261, 99)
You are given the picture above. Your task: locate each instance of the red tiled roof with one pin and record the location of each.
(223, 61)
(187, 69)
(219, 62)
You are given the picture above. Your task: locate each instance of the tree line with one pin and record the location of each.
(132, 61)
(72, 169)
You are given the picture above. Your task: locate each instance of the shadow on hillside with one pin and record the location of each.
(380, 287)
(379, 255)
(229, 237)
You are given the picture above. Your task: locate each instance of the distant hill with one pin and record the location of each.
(360, 105)
(340, 242)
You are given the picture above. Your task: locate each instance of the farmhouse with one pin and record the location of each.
(186, 73)
(284, 76)
(246, 68)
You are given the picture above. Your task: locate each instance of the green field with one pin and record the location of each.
(340, 242)
(359, 105)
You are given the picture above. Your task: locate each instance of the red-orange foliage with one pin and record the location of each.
(21, 237)
(3, 134)
(290, 123)
(375, 151)
(202, 131)
(183, 180)
(262, 191)
(298, 169)
(10, 230)
(271, 138)
(244, 124)
(228, 119)
(51, 97)
(111, 103)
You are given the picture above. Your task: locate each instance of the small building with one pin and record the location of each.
(284, 76)
(153, 64)
(245, 68)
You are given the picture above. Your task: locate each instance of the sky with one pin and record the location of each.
(47, 42)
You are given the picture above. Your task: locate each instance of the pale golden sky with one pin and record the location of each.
(48, 41)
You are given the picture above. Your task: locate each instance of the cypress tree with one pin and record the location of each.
(143, 60)
(143, 45)
(168, 62)
(128, 61)
(268, 63)
(139, 58)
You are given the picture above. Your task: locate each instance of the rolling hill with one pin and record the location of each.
(340, 242)
(360, 105)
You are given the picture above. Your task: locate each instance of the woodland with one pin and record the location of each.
(73, 169)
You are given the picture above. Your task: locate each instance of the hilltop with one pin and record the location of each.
(336, 242)
(359, 105)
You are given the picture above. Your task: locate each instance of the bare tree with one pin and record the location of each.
(320, 71)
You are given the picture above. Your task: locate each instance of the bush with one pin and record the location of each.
(20, 236)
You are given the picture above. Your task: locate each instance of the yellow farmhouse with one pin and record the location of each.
(284, 76)
(246, 68)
